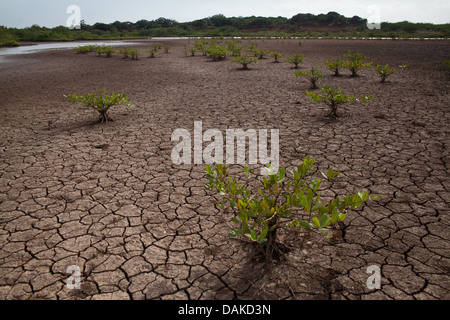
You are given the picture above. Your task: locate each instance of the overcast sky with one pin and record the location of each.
(51, 13)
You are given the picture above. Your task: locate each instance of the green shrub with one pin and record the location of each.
(334, 98)
(296, 59)
(290, 203)
(276, 55)
(335, 65)
(313, 76)
(447, 62)
(107, 50)
(134, 54)
(201, 46)
(193, 51)
(152, 52)
(217, 52)
(252, 48)
(261, 53)
(167, 49)
(355, 62)
(83, 49)
(384, 72)
(233, 48)
(101, 102)
(245, 60)
(125, 52)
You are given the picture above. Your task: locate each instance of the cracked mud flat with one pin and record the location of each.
(107, 198)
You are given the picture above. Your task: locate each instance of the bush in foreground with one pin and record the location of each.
(291, 203)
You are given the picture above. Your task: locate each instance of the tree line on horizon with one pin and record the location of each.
(300, 25)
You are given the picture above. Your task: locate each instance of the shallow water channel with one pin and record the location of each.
(32, 48)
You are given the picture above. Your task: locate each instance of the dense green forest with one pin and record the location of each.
(307, 25)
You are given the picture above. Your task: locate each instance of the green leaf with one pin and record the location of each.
(282, 173)
(316, 221)
(342, 216)
(334, 215)
(324, 220)
(331, 174)
(373, 197)
(262, 236)
(251, 214)
(235, 233)
(305, 224)
(235, 220)
(264, 213)
(317, 205)
(253, 235)
(363, 195)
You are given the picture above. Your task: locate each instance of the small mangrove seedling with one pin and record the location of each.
(355, 62)
(134, 54)
(107, 50)
(83, 49)
(276, 55)
(261, 53)
(281, 201)
(312, 75)
(296, 59)
(334, 98)
(217, 52)
(384, 72)
(152, 52)
(101, 102)
(125, 52)
(335, 65)
(245, 60)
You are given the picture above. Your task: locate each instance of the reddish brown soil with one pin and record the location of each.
(107, 197)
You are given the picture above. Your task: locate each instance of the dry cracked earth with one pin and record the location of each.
(108, 199)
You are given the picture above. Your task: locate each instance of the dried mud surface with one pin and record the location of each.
(107, 197)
